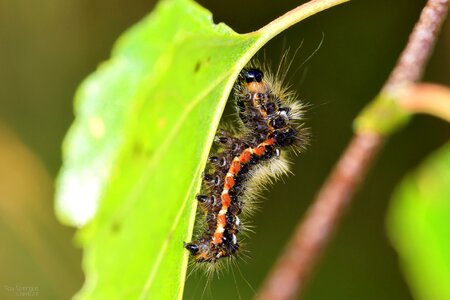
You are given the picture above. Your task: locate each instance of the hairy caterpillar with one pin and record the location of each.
(251, 155)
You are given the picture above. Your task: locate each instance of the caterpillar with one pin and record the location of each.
(269, 120)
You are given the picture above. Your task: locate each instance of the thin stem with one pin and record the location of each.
(311, 237)
(313, 234)
(410, 66)
(296, 15)
(428, 98)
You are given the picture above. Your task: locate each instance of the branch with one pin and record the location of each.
(427, 98)
(413, 60)
(377, 121)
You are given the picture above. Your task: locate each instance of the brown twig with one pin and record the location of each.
(410, 66)
(314, 232)
(291, 271)
(428, 98)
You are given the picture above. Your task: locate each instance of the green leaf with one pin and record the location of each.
(145, 121)
(419, 227)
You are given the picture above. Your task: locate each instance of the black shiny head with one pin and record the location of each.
(253, 75)
(191, 247)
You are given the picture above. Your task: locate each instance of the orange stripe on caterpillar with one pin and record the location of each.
(217, 238)
(229, 183)
(235, 166)
(226, 200)
(245, 156)
(221, 220)
(261, 148)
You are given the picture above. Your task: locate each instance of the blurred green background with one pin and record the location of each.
(48, 47)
